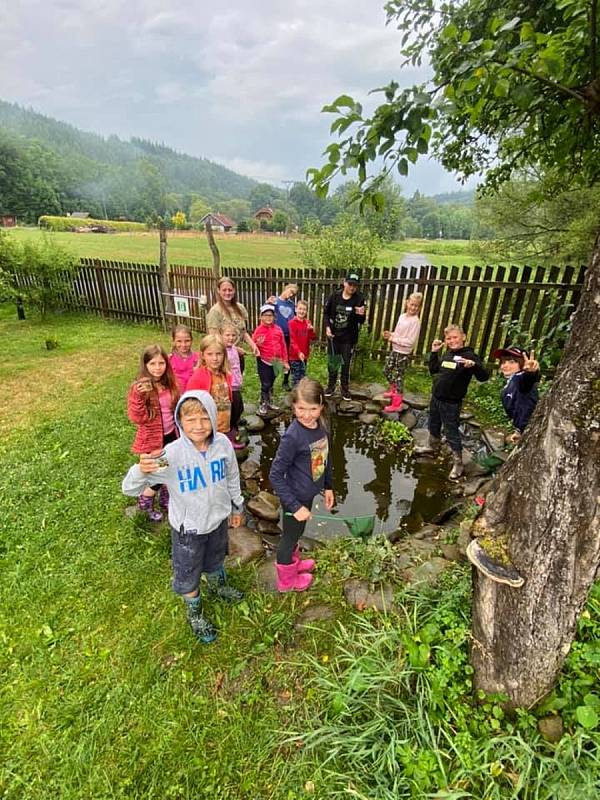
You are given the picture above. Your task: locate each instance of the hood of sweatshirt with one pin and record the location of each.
(209, 405)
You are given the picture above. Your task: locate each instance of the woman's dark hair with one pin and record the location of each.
(167, 380)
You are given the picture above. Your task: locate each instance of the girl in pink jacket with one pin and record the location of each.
(403, 339)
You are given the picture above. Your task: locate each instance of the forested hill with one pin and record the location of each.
(54, 168)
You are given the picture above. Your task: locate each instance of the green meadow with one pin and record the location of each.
(236, 251)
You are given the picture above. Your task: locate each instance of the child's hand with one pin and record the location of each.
(329, 499)
(515, 437)
(144, 385)
(360, 310)
(286, 368)
(241, 351)
(255, 349)
(301, 356)
(309, 327)
(235, 520)
(467, 363)
(436, 345)
(387, 335)
(328, 332)
(149, 462)
(302, 514)
(530, 364)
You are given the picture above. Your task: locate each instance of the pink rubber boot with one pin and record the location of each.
(395, 405)
(304, 565)
(391, 391)
(290, 580)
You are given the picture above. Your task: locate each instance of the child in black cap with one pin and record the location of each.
(519, 396)
(344, 314)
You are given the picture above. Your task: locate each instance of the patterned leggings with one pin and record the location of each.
(396, 365)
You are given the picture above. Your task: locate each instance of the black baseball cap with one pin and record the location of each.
(352, 277)
(511, 352)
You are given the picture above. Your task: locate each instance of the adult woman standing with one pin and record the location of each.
(227, 310)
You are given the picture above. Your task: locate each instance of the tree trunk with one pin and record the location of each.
(167, 305)
(544, 504)
(214, 250)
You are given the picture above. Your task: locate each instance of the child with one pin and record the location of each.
(301, 469)
(215, 378)
(182, 359)
(285, 311)
(301, 335)
(403, 340)
(454, 371)
(230, 336)
(519, 397)
(150, 403)
(271, 346)
(201, 471)
(344, 314)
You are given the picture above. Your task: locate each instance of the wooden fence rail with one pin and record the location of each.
(476, 297)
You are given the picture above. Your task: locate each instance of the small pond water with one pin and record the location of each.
(367, 480)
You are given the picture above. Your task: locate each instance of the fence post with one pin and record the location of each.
(166, 301)
(101, 287)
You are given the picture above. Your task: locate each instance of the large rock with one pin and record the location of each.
(254, 423)
(372, 407)
(265, 505)
(244, 546)
(249, 408)
(314, 614)
(266, 576)
(421, 442)
(408, 419)
(551, 728)
(358, 594)
(426, 573)
(472, 486)
(416, 400)
(266, 526)
(250, 469)
(360, 392)
(493, 438)
(351, 407)
(252, 487)
(368, 419)
(374, 388)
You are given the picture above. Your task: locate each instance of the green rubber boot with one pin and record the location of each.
(221, 590)
(204, 631)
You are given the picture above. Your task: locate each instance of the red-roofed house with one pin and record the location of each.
(218, 222)
(8, 220)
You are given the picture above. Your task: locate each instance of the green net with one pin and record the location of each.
(278, 367)
(334, 361)
(360, 526)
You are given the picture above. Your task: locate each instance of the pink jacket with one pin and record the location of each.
(405, 334)
(271, 343)
(149, 434)
(183, 368)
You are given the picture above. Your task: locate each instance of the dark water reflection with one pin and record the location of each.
(368, 480)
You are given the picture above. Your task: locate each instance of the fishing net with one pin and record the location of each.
(278, 367)
(360, 527)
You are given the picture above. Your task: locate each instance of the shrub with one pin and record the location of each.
(42, 271)
(69, 224)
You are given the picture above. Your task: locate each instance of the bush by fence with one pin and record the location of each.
(72, 223)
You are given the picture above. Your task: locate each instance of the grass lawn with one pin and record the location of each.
(104, 694)
(236, 251)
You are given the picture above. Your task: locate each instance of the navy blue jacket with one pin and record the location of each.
(301, 468)
(519, 397)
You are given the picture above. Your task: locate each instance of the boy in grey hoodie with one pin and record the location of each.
(201, 472)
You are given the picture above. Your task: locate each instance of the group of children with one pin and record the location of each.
(187, 407)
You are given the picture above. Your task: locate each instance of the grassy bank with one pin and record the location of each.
(104, 694)
(236, 251)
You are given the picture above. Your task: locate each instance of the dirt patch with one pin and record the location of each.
(48, 388)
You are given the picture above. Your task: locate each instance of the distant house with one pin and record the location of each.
(218, 222)
(8, 220)
(79, 214)
(266, 213)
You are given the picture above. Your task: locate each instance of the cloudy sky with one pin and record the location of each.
(240, 83)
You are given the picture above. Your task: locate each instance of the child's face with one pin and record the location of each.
(156, 367)
(412, 307)
(229, 336)
(197, 427)
(509, 367)
(213, 358)
(350, 288)
(307, 413)
(287, 294)
(267, 318)
(301, 311)
(182, 343)
(454, 340)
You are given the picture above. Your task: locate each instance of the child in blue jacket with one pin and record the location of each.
(519, 396)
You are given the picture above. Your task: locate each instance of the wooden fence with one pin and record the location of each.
(476, 297)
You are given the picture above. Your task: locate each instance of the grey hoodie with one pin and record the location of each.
(204, 487)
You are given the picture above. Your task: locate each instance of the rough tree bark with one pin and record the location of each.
(216, 256)
(544, 505)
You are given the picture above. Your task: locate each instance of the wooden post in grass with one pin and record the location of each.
(166, 299)
(216, 256)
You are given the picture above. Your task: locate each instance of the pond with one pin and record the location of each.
(368, 479)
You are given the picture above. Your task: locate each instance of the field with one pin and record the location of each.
(236, 251)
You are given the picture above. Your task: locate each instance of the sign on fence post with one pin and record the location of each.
(182, 306)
